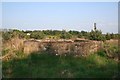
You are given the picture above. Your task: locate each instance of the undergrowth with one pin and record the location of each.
(44, 65)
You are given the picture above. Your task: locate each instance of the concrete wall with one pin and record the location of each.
(59, 48)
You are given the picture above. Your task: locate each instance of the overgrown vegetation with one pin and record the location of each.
(45, 65)
(103, 63)
(56, 34)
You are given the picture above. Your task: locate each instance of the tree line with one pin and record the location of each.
(57, 34)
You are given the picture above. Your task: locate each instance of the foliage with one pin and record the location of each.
(80, 35)
(112, 51)
(74, 32)
(37, 34)
(84, 33)
(108, 36)
(65, 35)
(102, 53)
(6, 35)
(96, 35)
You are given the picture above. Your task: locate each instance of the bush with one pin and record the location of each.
(65, 35)
(108, 36)
(96, 35)
(102, 53)
(37, 35)
(6, 35)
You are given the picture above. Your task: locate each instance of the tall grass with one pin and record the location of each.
(39, 65)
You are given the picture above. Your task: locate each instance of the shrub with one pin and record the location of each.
(96, 35)
(102, 53)
(6, 35)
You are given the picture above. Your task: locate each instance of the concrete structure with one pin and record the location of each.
(63, 47)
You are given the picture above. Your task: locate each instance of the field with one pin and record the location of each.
(59, 40)
(46, 65)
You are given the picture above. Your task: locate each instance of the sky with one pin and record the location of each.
(60, 15)
(60, 0)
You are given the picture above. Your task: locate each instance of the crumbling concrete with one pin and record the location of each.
(60, 48)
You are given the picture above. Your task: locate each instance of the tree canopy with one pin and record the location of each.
(37, 34)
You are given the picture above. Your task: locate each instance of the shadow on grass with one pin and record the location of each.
(44, 65)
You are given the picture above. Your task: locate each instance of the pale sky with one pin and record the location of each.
(60, 15)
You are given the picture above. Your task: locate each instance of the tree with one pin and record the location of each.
(108, 36)
(84, 33)
(74, 32)
(37, 35)
(112, 36)
(96, 35)
(65, 35)
(80, 35)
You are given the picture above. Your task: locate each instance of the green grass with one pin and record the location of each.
(51, 66)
